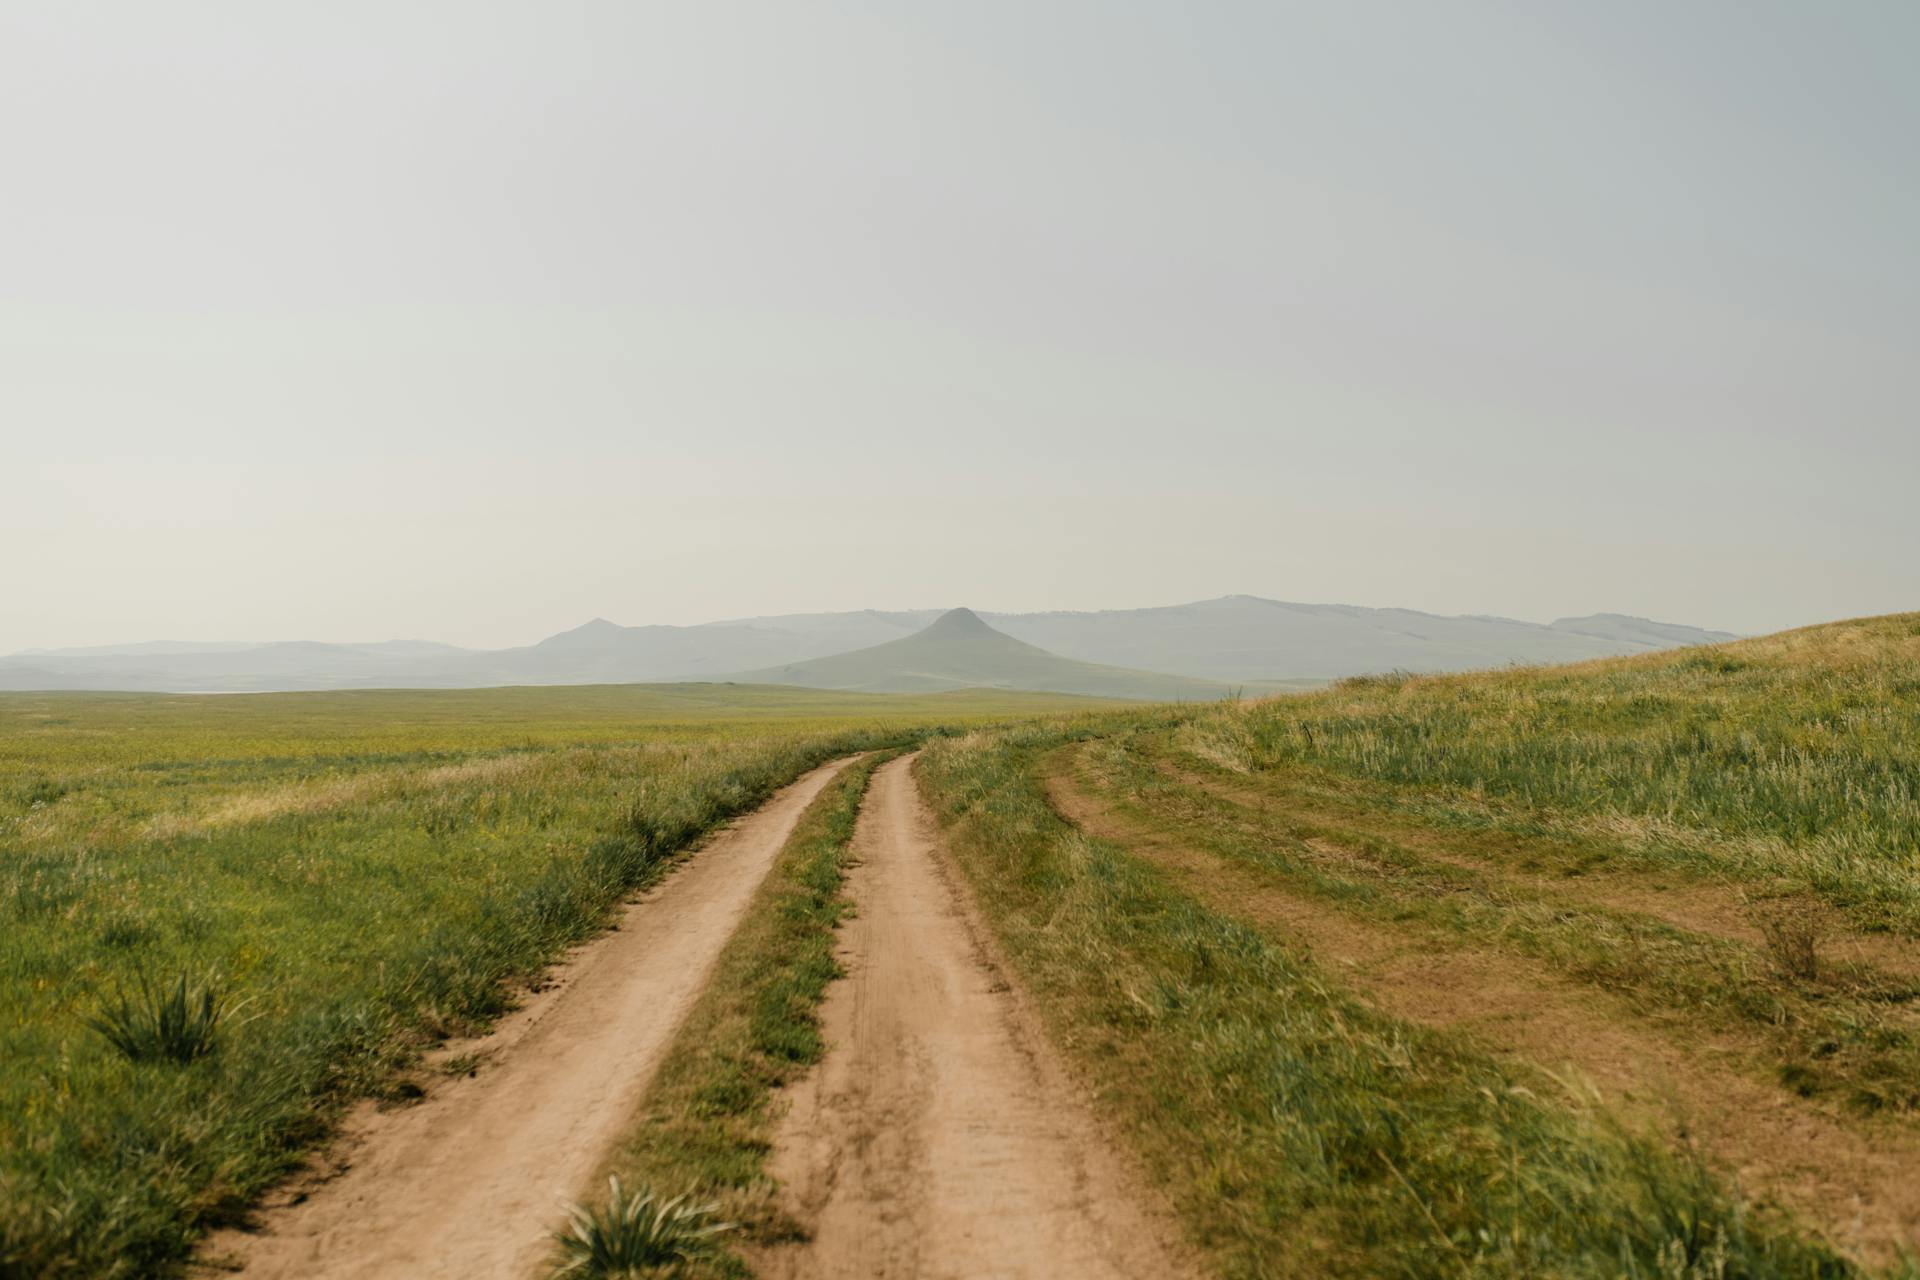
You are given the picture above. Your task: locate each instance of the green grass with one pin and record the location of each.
(1794, 756)
(706, 1125)
(356, 873)
(351, 874)
(1298, 1131)
(1846, 1034)
(1784, 770)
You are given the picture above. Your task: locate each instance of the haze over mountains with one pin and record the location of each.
(1234, 640)
(959, 651)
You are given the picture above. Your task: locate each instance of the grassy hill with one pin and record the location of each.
(1810, 738)
(960, 651)
(1592, 970)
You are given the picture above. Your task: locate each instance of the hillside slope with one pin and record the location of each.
(1681, 883)
(960, 651)
(1810, 738)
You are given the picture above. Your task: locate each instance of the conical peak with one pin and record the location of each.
(596, 632)
(959, 622)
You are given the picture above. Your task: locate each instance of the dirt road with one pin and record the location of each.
(938, 1138)
(469, 1182)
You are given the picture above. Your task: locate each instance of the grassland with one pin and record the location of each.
(1603, 970)
(1610, 970)
(355, 873)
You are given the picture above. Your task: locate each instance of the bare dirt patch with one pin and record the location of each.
(939, 1137)
(469, 1182)
(1851, 1180)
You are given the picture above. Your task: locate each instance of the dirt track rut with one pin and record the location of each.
(939, 1138)
(1851, 1179)
(469, 1182)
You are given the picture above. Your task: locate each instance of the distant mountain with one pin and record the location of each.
(839, 632)
(174, 647)
(607, 651)
(1231, 640)
(1622, 629)
(292, 664)
(1251, 638)
(148, 646)
(959, 651)
(598, 652)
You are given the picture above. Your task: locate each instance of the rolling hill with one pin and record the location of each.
(958, 650)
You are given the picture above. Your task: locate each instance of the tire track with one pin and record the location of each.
(1849, 1178)
(939, 1138)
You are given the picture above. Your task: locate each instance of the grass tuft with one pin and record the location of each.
(1793, 931)
(635, 1235)
(178, 1023)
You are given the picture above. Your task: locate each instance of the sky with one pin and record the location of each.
(471, 321)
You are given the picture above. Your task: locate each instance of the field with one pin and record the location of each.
(1609, 970)
(1599, 970)
(355, 873)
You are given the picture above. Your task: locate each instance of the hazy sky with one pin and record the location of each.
(473, 320)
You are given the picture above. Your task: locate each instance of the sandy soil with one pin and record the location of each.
(939, 1138)
(470, 1182)
(1850, 1179)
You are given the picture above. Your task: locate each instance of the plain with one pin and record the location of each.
(348, 875)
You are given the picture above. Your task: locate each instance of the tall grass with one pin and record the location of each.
(1300, 1132)
(1797, 754)
(1846, 1034)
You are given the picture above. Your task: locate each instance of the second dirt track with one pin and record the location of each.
(939, 1138)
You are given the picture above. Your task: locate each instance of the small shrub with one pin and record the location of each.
(123, 932)
(1793, 932)
(175, 1024)
(635, 1236)
(1799, 1078)
(1717, 661)
(1395, 679)
(38, 793)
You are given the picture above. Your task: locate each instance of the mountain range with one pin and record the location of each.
(1231, 641)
